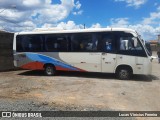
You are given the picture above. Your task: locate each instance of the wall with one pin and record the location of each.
(6, 51)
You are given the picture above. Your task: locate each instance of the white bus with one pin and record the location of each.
(107, 50)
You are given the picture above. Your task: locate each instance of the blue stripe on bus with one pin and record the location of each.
(46, 59)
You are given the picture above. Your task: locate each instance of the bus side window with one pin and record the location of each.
(35, 43)
(126, 45)
(80, 42)
(56, 43)
(73, 43)
(123, 44)
(31, 43)
(19, 46)
(51, 43)
(63, 44)
(125, 41)
(22, 43)
(106, 43)
(94, 41)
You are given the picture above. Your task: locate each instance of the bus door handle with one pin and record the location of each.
(120, 57)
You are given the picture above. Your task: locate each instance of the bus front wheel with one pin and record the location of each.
(49, 70)
(123, 73)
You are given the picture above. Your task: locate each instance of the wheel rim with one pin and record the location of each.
(123, 74)
(49, 70)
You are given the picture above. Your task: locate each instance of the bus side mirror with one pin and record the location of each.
(135, 41)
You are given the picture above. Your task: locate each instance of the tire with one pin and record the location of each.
(50, 70)
(124, 73)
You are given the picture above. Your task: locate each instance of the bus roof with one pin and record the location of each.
(78, 31)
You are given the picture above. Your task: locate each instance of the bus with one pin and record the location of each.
(106, 50)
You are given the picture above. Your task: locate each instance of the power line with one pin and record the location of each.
(10, 21)
(2, 10)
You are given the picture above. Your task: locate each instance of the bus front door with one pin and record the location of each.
(108, 62)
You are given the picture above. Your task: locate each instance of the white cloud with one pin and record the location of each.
(154, 17)
(48, 1)
(72, 25)
(52, 14)
(78, 5)
(22, 5)
(39, 12)
(31, 3)
(135, 3)
(64, 25)
(46, 25)
(119, 22)
(97, 25)
(22, 26)
(148, 27)
(78, 13)
(14, 15)
(77, 9)
(30, 14)
(69, 25)
(147, 31)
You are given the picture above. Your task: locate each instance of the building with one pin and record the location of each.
(155, 44)
(6, 51)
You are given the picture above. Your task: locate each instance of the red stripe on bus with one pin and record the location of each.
(61, 68)
(67, 69)
(33, 66)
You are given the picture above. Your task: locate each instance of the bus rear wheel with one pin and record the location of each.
(49, 70)
(124, 73)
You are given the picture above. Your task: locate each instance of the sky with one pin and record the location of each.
(27, 15)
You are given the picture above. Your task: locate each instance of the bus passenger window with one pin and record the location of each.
(50, 45)
(31, 43)
(82, 42)
(127, 43)
(56, 43)
(106, 43)
(94, 41)
(63, 46)
(123, 44)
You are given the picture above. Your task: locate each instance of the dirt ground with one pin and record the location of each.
(82, 91)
